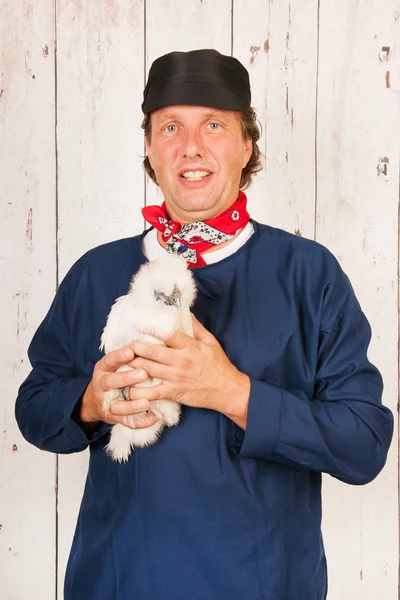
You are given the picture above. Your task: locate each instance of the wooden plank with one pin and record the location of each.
(184, 26)
(27, 281)
(277, 43)
(100, 80)
(358, 184)
(100, 59)
(99, 85)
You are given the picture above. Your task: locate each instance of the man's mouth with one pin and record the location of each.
(195, 175)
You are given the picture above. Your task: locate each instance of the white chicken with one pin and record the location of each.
(157, 304)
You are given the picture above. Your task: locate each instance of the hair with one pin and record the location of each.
(250, 129)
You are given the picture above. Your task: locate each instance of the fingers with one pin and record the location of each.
(131, 414)
(141, 421)
(115, 359)
(153, 369)
(200, 332)
(154, 352)
(124, 408)
(121, 379)
(106, 382)
(140, 398)
(162, 391)
(178, 340)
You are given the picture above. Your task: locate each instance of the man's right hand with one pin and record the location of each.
(106, 377)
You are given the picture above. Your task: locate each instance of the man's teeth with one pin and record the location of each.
(195, 175)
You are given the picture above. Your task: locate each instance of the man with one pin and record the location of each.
(276, 385)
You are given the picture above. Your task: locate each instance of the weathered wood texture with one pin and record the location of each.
(326, 90)
(358, 125)
(277, 42)
(27, 283)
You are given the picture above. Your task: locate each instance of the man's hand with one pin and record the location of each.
(195, 372)
(105, 377)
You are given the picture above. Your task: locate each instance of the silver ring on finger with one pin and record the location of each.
(125, 393)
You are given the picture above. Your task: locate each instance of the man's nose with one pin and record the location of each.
(192, 144)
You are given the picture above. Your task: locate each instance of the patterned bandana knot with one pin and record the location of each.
(191, 239)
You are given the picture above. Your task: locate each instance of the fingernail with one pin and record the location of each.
(128, 422)
(143, 404)
(139, 374)
(133, 376)
(126, 353)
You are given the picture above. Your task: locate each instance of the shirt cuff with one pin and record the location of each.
(263, 422)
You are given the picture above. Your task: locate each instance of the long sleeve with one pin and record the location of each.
(47, 398)
(342, 428)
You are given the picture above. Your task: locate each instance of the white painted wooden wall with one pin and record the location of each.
(326, 79)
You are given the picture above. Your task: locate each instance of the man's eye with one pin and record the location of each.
(214, 126)
(171, 128)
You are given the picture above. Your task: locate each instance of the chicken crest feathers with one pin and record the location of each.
(149, 306)
(164, 274)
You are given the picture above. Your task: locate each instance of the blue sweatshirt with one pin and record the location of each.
(213, 512)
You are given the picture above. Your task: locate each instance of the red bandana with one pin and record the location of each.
(191, 239)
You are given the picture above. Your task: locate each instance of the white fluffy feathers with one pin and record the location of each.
(157, 304)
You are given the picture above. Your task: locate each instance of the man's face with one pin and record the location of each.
(198, 154)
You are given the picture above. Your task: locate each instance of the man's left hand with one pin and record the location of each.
(195, 371)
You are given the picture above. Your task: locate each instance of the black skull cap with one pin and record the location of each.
(197, 78)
